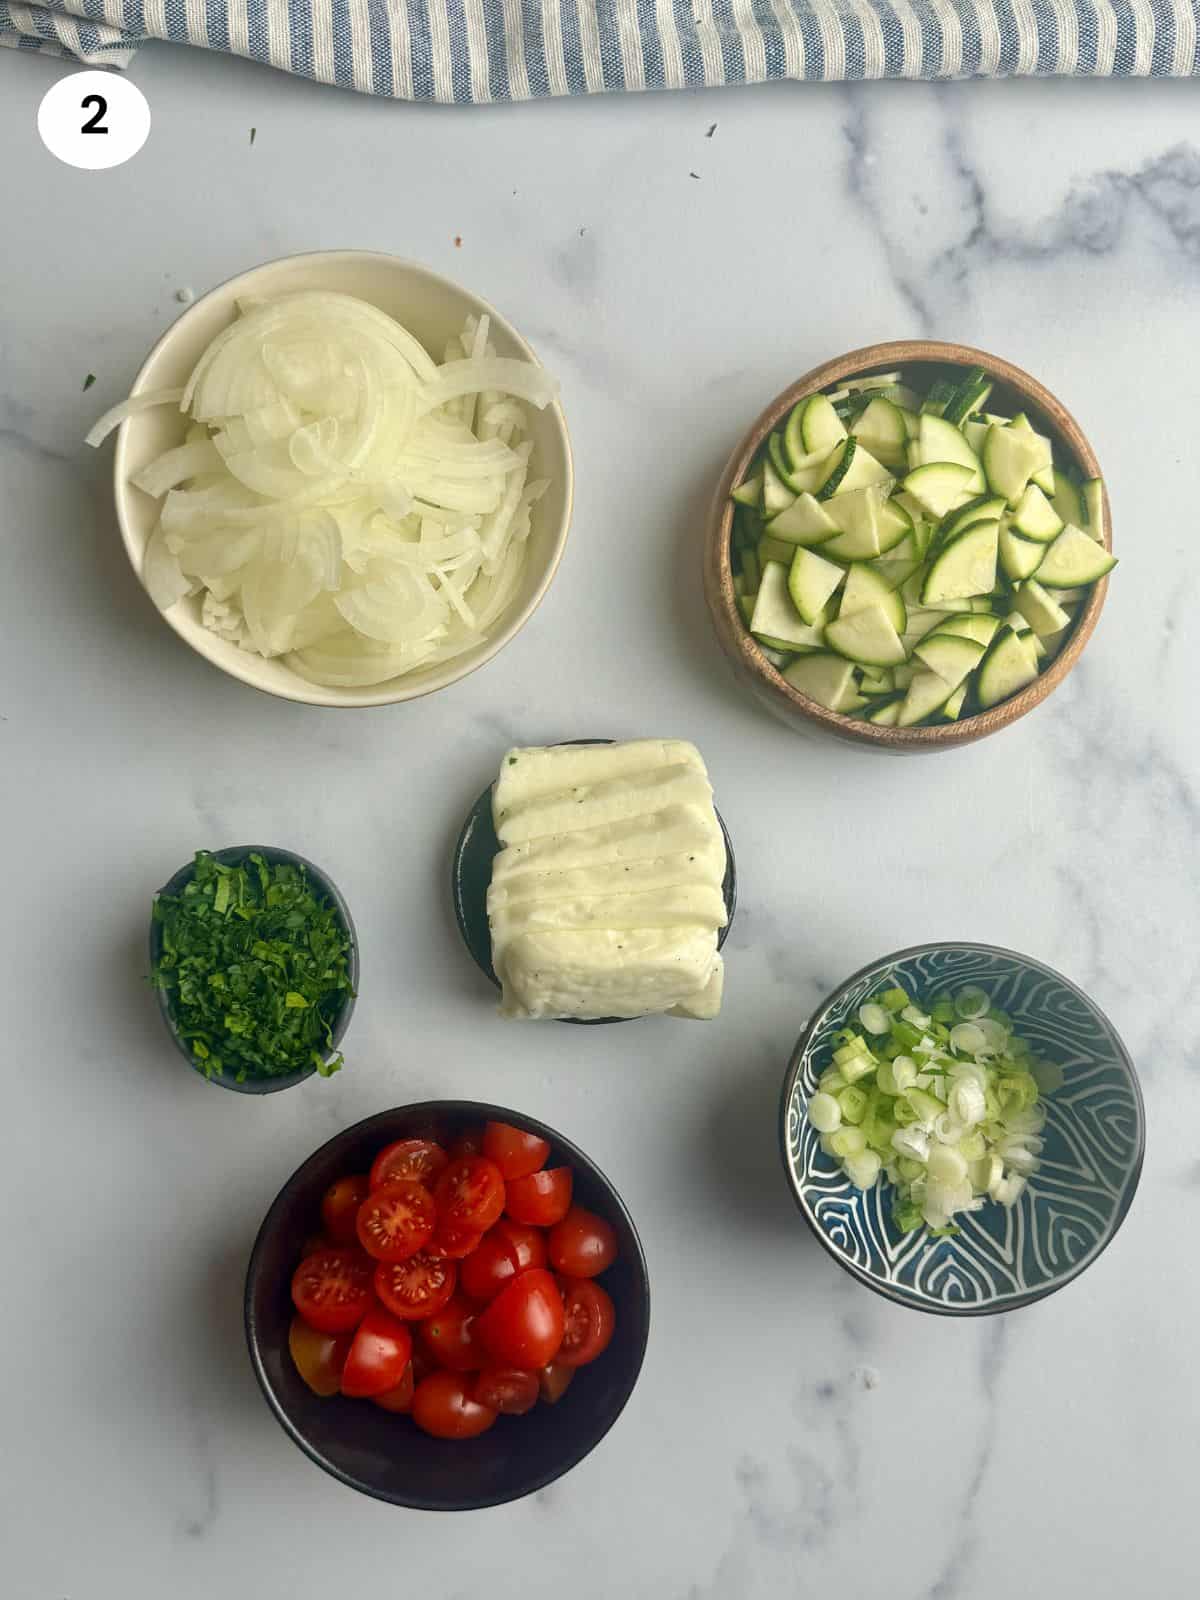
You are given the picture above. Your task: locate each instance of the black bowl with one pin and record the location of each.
(471, 874)
(385, 1455)
(329, 891)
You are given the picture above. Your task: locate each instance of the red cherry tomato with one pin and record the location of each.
(507, 1390)
(339, 1208)
(541, 1199)
(396, 1221)
(378, 1356)
(451, 1337)
(416, 1288)
(491, 1265)
(589, 1319)
(529, 1243)
(453, 1243)
(332, 1290)
(468, 1143)
(582, 1244)
(422, 1362)
(523, 1326)
(554, 1381)
(443, 1406)
(514, 1151)
(408, 1158)
(319, 1357)
(469, 1195)
(400, 1398)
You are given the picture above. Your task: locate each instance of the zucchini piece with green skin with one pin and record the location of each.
(776, 495)
(926, 694)
(950, 711)
(775, 619)
(769, 549)
(938, 487)
(972, 393)
(805, 522)
(1093, 504)
(1043, 476)
(866, 638)
(747, 527)
(974, 431)
(751, 571)
(969, 626)
(820, 426)
(966, 567)
(1074, 559)
(793, 439)
(1041, 610)
(1035, 518)
(877, 380)
(823, 677)
(866, 588)
(881, 430)
(857, 518)
(1068, 502)
(885, 716)
(1009, 666)
(778, 658)
(1019, 558)
(941, 392)
(939, 440)
(895, 572)
(799, 475)
(745, 604)
(750, 492)
(812, 583)
(1010, 458)
(849, 467)
(951, 657)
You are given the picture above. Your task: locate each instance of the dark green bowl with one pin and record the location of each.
(324, 886)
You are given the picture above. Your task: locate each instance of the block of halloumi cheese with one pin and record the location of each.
(527, 773)
(607, 800)
(673, 830)
(706, 1003)
(603, 974)
(687, 869)
(696, 906)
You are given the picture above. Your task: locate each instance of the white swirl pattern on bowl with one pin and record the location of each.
(1071, 1208)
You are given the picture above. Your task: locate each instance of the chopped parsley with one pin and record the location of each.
(89, 381)
(255, 966)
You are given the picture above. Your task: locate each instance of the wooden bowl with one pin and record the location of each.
(1015, 390)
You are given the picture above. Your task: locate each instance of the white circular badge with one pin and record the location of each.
(94, 119)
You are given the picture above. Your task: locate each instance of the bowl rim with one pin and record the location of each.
(473, 1110)
(228, 855)
(318, 694)
(1010, 1302)
(741, 648)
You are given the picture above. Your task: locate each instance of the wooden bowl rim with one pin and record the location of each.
(718, 575)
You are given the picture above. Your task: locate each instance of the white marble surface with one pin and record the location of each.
(1050, 1452)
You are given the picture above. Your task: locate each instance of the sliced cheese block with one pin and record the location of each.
(703, 865)
(674, 829)
(702, 906)
(706, 1004)
(611, 800)
(526, 774)
(604, 974)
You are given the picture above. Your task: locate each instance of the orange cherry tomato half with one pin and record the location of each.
(491, 1265)
(339, 1208)
(443, 1406)
(319, 1357)
(332, 1290)
(469, 1195)
(416, 1288)
(396, 1221)
(541, 1199)
(523, 1326)
(589, 1319)
(582, 1244)
(507, 1390)
(408, 1158)
(554, 1381)
(379, 1353)
(398, 1399)
(451, 1336)
(514, 1151)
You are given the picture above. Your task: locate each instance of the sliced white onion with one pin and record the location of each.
(115, 416)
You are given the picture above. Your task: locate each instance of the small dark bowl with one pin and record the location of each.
(329, 891)
(387, 1456)
(471, 874)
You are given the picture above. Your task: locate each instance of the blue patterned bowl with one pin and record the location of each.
(1072, 1207)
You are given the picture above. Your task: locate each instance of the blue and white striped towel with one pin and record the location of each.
(465, 51)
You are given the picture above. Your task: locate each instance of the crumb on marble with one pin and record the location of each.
(458, 241)
(868, 1377)
(711, 131)
(184, 296)
(253, 135)
(89, 381)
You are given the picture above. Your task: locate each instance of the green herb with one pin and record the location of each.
(254, 964)
(253, 135)
(89, 381)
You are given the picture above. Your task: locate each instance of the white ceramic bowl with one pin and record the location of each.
(432, 308)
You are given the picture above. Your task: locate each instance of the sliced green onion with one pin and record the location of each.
(853, 1103)
(875, 1018)
(893, 999)
(824, 1113)
(971, 1003)
(848, 1142)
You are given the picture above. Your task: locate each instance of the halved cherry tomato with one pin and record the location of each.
(468, 1143)
(443, 1406)
(315, 1243)
(378, 1356)
(514, 1151)
(451, 1336)
(408, 1158)
(523, 1326)
(491, 1265)
(452, 1243)
(541, 1199)
(582, 1244)
(339, 1208)
(416, 1288)
(422, 1362)
(529, 1243)
(319, 1357)
(507, 1390)
(400, 1398)
(589, 1321)
(396, 1221)
(469, 1195)
(332, 1290)
(554, 1381)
